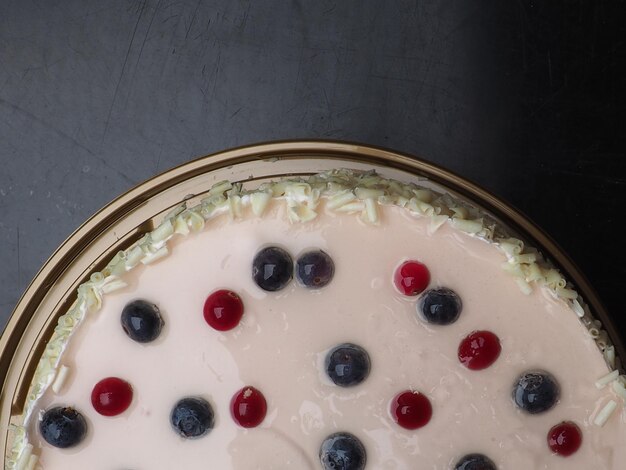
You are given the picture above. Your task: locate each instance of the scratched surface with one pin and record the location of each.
(527, 100)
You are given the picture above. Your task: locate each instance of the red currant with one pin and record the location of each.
(223, 310)
(479, 350)
(411, 278)
(111, 396)
(248, 407)
(411, 410)
(564, 439)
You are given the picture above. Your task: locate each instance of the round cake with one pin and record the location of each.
(341, 321)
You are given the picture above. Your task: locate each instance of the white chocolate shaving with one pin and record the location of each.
(554, 278)
(58, 383)
(524, 286)
(609, 355)
(24, 460)
(436, 221)
(301, 214)
(113, 285)
(526, 258)
(580, 311)
(511, 246)
(298, 191)
(424, 195)
(195, 221)
(336, 187)
(459, 212)
(162, 232)
(468, 226)
(352, 207)
(157, 255)
(420, 207)
(533, 273)
(220, 188)
(278, 188)
(514, 269)
(371, 211)
(605, 413)
(341, 199)
(259, 202)
(607, 379)
(134, 257)
(402, 201)
(210, 202)
(180, 226)
(620, 389)
(368, 193)
(565, 293)
(234, 205)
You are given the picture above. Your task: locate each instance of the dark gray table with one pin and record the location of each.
(524, 98)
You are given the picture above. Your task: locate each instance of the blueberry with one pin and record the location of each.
(272, 268)
(142, 321)
(342, 451)
(63, 427)
(536, 391)
(347, 365)
(441, 306)
(192, 417)
(475, 462)
(315, 269)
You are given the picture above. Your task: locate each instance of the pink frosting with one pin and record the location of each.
(281, 343)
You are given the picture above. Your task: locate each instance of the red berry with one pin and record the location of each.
(479, 350)
(411, 410)
(223, 310)
(565, 438)
(111, 396)
(248, 407)
(411, 278)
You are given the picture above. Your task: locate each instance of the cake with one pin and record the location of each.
(341, 321)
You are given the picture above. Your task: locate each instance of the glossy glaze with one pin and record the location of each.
(282, 340)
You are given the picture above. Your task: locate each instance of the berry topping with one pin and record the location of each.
(440, 306)
(479, 350)
(536, 392)
(223, 310)
(272, 268)
(192, 417)
(475, 462)
(63, 427)
(411, 278)
(342, 451)
(564, 439)
(248, 407)
(315, 269)
(347, 365)
(142, 321)
(111, 396)
(411, 410)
